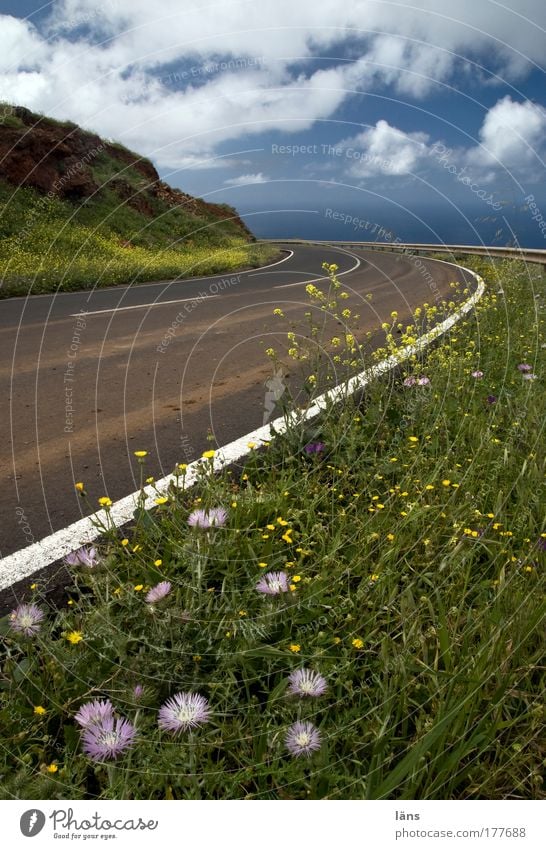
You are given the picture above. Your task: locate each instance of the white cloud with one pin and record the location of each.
(106, 64)
(384, 150)
(246, 180)
(511, 136)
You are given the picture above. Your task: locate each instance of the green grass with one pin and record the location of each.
(413, 542)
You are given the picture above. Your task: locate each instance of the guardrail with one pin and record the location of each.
(415, 248)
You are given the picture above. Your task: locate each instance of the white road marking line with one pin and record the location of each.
(143, 306)
(19, 565)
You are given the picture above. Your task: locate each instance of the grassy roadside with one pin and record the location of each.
(409, 535)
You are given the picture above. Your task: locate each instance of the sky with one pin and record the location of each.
(416, 120)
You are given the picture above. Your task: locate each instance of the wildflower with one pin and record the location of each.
(104, 501)
(374, 577)
(273, 583)
(529, 376)
(446, 482)
(491, 399)
(314, 447)
(302, 738)
(108, 739)
(52, 768)
(158, 592)
(139, 587)
(125, 542)
(85, 556)
(208, 455)
(477, 374)
(215, 517)
(161, 500)
(287, 538)
(26, 619)
(294, 648)
(158, 562)
(39, 710)
(413, 439)
(93, 713)
(79, 486)
(138, 692)
(183, 711)
(182, 467)
(423, 381)
(410, 381)
(74, 637)
(358, 643)
(525, 367)
(140, 454)
(304, 682)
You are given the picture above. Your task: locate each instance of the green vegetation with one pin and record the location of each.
(410, 529)
(98, 215)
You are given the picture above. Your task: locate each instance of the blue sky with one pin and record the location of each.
(422, 116)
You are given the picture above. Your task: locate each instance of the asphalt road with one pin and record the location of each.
(89, 377)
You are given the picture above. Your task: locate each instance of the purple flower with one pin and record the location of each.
(314, 447)
(541, 543)
(108, 739)
(525, 367)
(84, 556)
(477, 374)
(423, 381)
(26, 619)
(491, 399)
(158, 592)
(183, 711)
(410, 381)
(138, 691)
(273, 583)
(213, 518)
(93, 713)
(302, 738)
(529, 376)
(304, 682)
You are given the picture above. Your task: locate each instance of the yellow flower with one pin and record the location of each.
(390, 537)
(292, 588)
(125, 541)
(281, 521)
(251, 445)
(358, 643)
(262, 565)
(150, 480)
(270, 527)
(161, 500)
(105, 501)
(139, 587)
(429, 486)
(242, 613)
(234, 504)
(294, 647)
(296, 578)
(140, 454)
(33, 586)
(74, 637)
(196, 658)
(286, 536)
(79, 486)
(374, 577)
(337, 640)
(413, 438)
(182, 466)
(52, 768)
(446, 482)
(39, 710)
(208, 455)
(158, 562)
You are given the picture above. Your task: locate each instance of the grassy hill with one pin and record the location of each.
(77, 211)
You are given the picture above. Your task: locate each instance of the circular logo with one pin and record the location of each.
(32, 822)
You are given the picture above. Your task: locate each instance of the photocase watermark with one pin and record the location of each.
(70, 370)
(371, 227)
(342, 152)
(242, 63)
(276, 387)
(536, 214)
(62, 820)
(24, 525)
(443, 155)
(215, 288)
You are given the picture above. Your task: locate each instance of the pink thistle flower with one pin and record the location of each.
(213, 518)
(423, 381)
(302, 738)
(26, 619)
(529, 376)
(410, 381)
(273, 583)
(85, 556)
(158, 592)
(477, 374)
(304, 682)
(183, 711)
(108, 739)
(93, 713)
(523, 367)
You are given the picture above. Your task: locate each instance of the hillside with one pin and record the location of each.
(79, 211)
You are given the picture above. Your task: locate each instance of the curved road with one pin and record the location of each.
(89, 377)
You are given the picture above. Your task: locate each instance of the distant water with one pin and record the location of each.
(481, 228)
